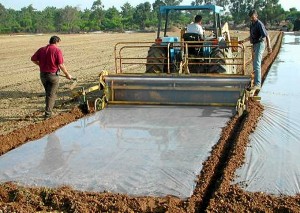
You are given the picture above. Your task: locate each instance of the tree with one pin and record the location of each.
(86, 24)
(156, 6)
(3, 18)
(239, 10)
(172, 2)
(68, 20)
(272, 12)
(44, 21)
(26, 16)
(197, 2)
(127, 12)
(142, 14)
(12, 23)
(293, 17)
(72, 19)
(97, 15)
(112, 20)
(292, 14)
(222, 3)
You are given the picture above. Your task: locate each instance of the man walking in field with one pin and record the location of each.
(258, 35)
(50, 60)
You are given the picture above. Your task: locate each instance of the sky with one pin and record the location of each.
(83, 4)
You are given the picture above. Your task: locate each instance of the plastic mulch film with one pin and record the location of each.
(135, 150)
(273, 156)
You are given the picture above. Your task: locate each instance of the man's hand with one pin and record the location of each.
(68, 76)
(245, 40)
(64, 69)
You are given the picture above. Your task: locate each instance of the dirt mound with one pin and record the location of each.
(174, 29)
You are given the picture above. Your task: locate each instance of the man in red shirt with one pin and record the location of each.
(51, 61)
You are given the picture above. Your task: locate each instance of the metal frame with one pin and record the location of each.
(121, 60)
(164, 10)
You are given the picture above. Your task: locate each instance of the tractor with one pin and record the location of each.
(177, 70)
(189, 53)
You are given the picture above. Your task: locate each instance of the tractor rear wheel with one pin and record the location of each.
(197, 68)
(221, 66)
(155, 59)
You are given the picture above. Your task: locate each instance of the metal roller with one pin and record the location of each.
(210, 90)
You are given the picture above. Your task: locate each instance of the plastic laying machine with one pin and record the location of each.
(177, 70)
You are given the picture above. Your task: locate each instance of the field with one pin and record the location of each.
(21, 90)
(21, 120)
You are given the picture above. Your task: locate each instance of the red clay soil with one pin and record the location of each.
(213, 191)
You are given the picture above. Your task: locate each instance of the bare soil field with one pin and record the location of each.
(21, 120)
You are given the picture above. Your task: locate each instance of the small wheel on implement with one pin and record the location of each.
(99, 104)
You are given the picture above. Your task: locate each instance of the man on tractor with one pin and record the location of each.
(196, 27)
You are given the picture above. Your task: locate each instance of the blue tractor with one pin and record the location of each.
(171, 54)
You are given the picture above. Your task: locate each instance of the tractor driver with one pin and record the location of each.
(196, 27)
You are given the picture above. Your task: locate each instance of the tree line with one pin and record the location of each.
(142, 17)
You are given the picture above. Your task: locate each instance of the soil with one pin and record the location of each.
(21, 101)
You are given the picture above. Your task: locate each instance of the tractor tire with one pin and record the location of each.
(221, 67)
(155, 59)
(197, 68)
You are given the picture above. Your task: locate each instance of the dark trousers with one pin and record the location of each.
(50, 82)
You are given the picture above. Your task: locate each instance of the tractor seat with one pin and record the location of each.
(194, 37)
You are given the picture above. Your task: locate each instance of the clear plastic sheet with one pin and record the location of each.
(273, 156)
(137, 150)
